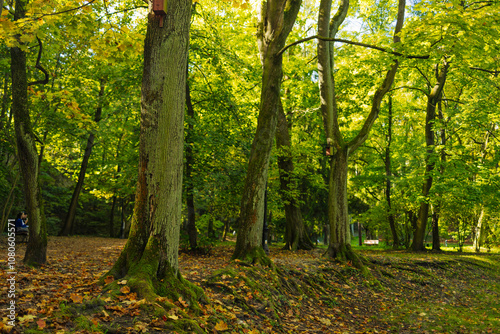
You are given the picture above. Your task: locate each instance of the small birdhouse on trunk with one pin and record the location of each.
(160, 9)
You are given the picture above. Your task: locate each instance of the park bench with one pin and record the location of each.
(21, 236)
(370, 242)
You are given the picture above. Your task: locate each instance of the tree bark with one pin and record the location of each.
(388, 174)
(36, 252)
(70, 216)
(276, 21)
(423, 214)
(296, 236)
(149, 260)
(340, 247)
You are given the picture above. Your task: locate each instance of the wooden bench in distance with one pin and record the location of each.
(370, 242)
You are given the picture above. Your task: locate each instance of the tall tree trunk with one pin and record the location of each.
(149, 261)
(432, 101)
(36, 252)
(436, 242)
(275, 23)
(191, 224)
(296, 236)
(388, 175)
(340, 243)
(68, 227)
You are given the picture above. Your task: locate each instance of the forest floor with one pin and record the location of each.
(303, 293)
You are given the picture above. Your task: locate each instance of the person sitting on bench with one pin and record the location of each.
(21, 220)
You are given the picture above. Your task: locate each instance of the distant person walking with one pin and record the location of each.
(21, 222)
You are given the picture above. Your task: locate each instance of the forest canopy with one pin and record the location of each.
(432, 145)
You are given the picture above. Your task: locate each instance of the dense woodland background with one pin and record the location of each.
(86, 117)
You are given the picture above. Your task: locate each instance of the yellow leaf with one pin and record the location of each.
(26, 318)
(221, 326)
(173, 317)
(123, 282)
(125, 290)
(77, 299)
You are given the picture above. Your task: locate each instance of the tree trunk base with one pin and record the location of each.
(256, 255)
(303, 243)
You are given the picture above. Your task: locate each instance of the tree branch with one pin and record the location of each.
(340, 40)
(40, 67)
(495, 73)
(64, 11)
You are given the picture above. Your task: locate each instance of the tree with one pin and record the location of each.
(296, 236)
(339, 246)
(432, 101)
(36, 252)
(276, 20)
(149, 260)
(70, 216)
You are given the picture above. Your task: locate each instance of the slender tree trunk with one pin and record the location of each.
(388, 174)
(111, 224)
(36, 252)
(5, 102)
(436, 242)
(478, 233)
(423, 214)
(7, 208)
(68, 227)
(149, 261)
(296, 236)
(191, 225)
(276, 21)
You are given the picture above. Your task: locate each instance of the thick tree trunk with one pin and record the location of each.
(149, 260)
(388, 175)
(191, 225)
(276, 21)
(296, 236)
(36, 252)
(423, 214)
(340, 241)
(70, 216)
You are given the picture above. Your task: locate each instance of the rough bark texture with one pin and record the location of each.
(388, 175)
(340, 247)
(276, 21)
(191, 225)
(36, 252)
(70, 216)
(423, 214)
(296, 236)
(436, 242)
(149, 260)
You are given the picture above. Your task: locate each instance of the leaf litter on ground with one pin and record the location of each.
(303, 293)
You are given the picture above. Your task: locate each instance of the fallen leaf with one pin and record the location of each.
(41, 324)
(173, 317)
(109, 279)
(77, 299)
(221, 326)
(125, 290)
(26, 318)
(123, 282)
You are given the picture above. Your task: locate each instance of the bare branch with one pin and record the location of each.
(340, 40)
(40, 67)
